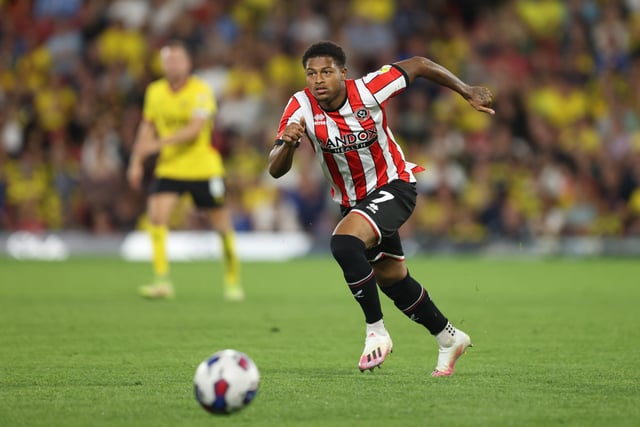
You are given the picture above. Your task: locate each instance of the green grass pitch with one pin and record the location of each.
(556, 343)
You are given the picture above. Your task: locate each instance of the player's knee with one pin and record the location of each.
(156, 220)
(349, 252)
(347, 249)
(158, 215)
(389, 272)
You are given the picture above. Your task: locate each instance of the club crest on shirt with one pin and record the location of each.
(362, 114)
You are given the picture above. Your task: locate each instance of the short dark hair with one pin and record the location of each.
(179, 44)
(325, 48)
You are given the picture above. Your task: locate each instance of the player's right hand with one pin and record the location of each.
(293, 132)
(134, 175)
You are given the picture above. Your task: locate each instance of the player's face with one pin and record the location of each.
(325, 80)
(175, 62)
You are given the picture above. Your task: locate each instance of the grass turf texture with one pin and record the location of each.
(555, 343)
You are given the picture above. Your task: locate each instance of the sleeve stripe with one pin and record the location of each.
(201, 113)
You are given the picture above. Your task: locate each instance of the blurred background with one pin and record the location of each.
(557, 169)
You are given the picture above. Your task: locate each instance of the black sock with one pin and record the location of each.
(413, 300)
(349, 252)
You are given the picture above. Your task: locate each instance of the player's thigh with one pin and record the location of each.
(220, 219)
(164, 196)
(357, 225)
(160, 206)
(389, 207)
(379, 215)
(208, 193)
(389, 271)
(209, 196)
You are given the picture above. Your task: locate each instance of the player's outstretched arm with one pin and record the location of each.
(281, 155)
(479, 97)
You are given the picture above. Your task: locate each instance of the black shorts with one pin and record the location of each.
(208, 193)
(386, 209)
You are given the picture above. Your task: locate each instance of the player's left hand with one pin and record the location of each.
(134, 175)
(480, 99)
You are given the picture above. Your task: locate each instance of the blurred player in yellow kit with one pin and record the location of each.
(177, 122)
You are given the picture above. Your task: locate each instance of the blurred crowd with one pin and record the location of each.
(561, 157)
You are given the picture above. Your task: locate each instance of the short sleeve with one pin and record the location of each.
(386, 82)
(148, 110)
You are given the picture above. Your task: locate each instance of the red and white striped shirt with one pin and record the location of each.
(354, 145)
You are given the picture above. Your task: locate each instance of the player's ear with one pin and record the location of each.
(343, 73)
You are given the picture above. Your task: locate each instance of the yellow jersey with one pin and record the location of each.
(170, 111)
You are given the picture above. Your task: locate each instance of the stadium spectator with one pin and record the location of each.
(32, 204)
(102, 172)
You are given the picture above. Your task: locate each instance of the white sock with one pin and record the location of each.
(447, 337)
(377, 328)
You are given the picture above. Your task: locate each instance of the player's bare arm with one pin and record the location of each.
(187, 134)
(478, 97)
(145, 141)
(281, 155)
(144, 146)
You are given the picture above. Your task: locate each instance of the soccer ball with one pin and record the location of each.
(226, 382)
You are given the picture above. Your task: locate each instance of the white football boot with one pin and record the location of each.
(377, 346)
(449, 352)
